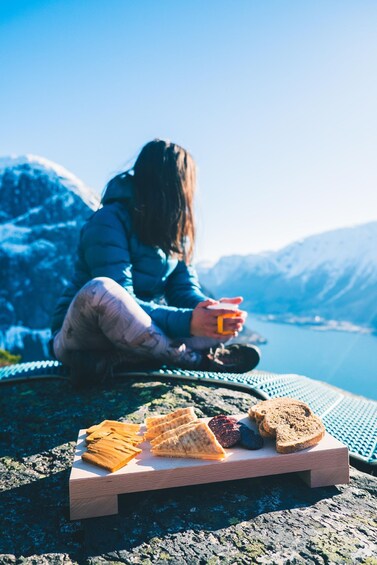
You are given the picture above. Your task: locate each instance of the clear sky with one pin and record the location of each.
(275, 99)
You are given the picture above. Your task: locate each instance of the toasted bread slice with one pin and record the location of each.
(262, 431)
(114, 425)
(171, 433)
(196, 441)
(155, 420)
(291, 421)
(293, 414)
(258, 411)
(299, 436)
(158, 429)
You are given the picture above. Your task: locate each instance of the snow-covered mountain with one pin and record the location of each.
(332, 275)
(42, 208)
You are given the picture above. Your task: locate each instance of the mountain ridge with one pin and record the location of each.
(65, 177)
(332, 275)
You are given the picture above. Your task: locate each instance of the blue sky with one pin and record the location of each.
(276, 100)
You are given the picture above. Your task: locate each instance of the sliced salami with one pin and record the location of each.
(226, 430)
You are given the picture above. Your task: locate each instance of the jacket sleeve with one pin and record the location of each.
(183, 287)
(105, 250)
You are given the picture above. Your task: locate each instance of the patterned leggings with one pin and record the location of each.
(103, 316)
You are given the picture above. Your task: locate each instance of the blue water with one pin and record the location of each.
(343, 359)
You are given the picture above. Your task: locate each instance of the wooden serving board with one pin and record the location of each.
(94, 491)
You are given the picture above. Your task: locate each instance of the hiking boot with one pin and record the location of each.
(235, 358)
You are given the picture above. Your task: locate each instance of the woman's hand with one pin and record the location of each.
(234, 300)
(204, 321)
(235, 325)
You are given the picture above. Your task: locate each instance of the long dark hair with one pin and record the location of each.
(165, 181)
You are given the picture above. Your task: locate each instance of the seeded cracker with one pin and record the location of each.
(197, 442)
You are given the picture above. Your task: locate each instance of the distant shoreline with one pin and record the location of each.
(314, 323)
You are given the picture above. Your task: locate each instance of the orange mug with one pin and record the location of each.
(233, 313)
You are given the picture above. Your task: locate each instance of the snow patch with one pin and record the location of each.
(57, 172)
(13, 233)
(12, 338)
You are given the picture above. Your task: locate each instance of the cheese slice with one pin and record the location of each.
(132, 438)
(110, 452)
(196, 442)
(113, 439)
(111, 462)
(114, 425)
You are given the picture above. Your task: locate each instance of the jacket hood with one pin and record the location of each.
(120, 187)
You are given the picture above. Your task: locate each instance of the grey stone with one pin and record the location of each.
(270, 520)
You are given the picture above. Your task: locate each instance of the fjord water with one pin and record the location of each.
(343, 359)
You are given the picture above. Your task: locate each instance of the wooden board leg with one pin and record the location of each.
(326, 477)
(93, 507)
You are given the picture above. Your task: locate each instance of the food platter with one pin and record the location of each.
(94, 491)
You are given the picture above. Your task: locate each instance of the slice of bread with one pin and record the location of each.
(158, 429)
(291, 421)
(152, 421)
(262, 431)
(300, 436)
(258, 411)
(280, 414)
(171, 433)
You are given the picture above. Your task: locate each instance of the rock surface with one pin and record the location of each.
(271, 520)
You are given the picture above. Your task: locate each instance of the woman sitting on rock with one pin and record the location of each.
(134, 299)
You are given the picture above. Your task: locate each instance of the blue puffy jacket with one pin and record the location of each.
(109, 248)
